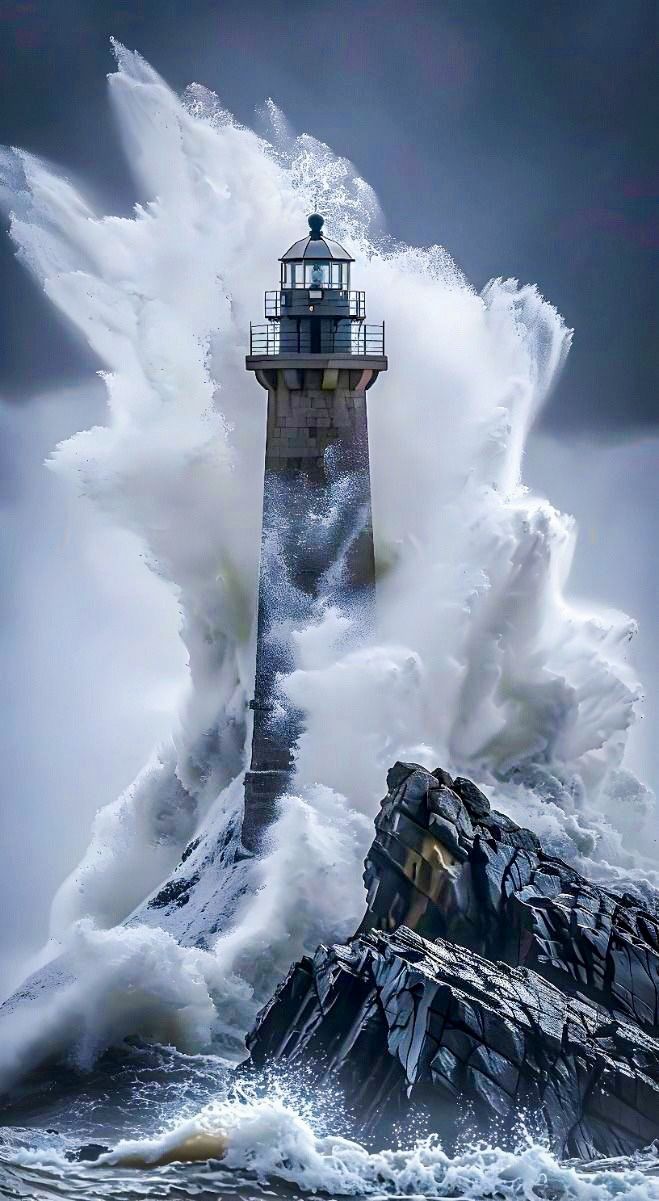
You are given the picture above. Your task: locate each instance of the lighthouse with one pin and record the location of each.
(317, 357)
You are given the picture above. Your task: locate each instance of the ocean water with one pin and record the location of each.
(272, 1137)
(128, 1034)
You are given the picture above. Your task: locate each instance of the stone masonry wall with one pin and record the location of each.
(304, 421)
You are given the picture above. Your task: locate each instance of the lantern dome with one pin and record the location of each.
(316, 246)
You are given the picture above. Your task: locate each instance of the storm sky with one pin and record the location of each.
(519, 135)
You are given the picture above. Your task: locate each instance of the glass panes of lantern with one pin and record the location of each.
(312, 274)
(317, 275)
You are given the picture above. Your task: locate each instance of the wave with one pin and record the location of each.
(268, 1141)
(478, 662)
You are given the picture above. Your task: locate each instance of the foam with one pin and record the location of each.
(123, 981)
(274, 1142)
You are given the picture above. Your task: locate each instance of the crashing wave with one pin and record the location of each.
(478, 661)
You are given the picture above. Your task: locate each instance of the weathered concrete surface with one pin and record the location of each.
(408, 1026)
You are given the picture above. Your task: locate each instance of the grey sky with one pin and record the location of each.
(520, 135)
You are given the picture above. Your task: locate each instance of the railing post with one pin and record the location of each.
(383, 343)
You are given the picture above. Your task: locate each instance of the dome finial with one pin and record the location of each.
(316, 223)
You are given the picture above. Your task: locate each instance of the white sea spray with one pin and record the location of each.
(478, 661)
(273, 1142)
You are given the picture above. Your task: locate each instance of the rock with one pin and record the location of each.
(475, 800)
(447, 866)
(176, 892)
(487, 979)
(406, 1026)
(88, 1153)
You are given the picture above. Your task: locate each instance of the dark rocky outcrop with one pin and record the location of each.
(88, 1153)
(400, 1022)
(487, 978)
(447, 866)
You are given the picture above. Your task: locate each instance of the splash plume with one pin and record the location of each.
(476, 660)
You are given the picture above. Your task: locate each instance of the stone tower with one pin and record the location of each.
(316, 357)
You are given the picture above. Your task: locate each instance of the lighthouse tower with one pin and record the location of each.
(316, 357)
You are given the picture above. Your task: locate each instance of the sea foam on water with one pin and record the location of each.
(268, 1141)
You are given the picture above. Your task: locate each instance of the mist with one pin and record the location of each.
(92, 661)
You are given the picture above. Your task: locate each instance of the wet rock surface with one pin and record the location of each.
(401, 1022)
(488, 981)
(447, 866)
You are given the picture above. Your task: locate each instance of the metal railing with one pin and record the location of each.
(357, 304)
(359, 339)
(275, 302)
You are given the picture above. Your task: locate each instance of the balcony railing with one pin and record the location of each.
(360, 339)
(352, 304)
(273, 304)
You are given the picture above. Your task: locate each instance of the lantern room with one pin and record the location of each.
(315, 312)
(316, 262)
